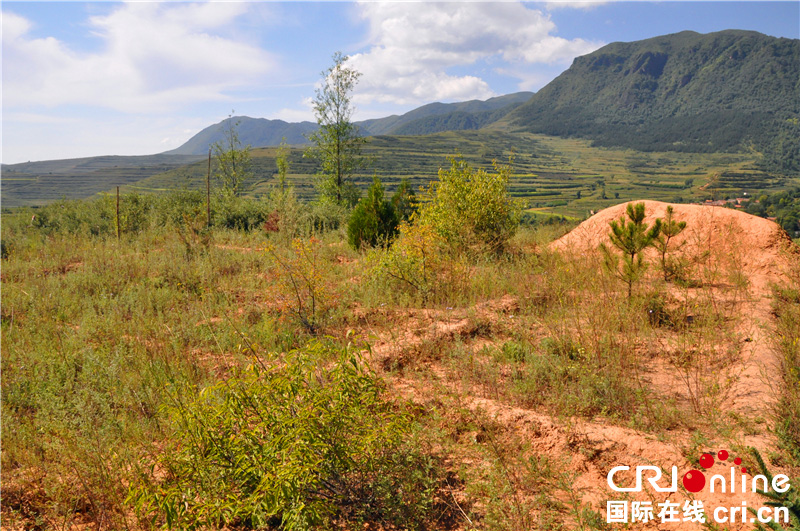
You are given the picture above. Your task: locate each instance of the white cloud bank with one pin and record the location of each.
(413, 45)
(153, 57)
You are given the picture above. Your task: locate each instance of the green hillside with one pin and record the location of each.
(724, 91)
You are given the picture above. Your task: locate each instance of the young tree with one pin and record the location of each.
(374, 220)
(669, 229)
(282, 163)
(631, 237)
(337, 143)
(233, 160)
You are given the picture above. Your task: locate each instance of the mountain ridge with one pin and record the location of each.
(262, 132)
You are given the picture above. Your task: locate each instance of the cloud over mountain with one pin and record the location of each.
(414, 52)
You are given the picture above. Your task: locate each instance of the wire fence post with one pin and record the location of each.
(118, 212)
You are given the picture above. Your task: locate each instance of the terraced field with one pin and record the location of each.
(554, 176)
(39, 183)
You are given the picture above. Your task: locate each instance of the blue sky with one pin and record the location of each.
(85, 79)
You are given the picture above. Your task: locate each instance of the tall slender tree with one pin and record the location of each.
(337, 143)
(233, 159)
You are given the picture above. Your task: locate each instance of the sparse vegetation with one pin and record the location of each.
(285, 356)
(135, 369)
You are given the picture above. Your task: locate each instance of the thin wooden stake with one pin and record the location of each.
(118, 212)
(208, 190)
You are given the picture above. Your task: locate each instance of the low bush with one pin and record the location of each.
(472, 209)
(234, 212)
(418, 266)
(298, 442)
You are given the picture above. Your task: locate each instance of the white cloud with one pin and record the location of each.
(413, 46)
(303, 114)
(154, 56)
(576, 4)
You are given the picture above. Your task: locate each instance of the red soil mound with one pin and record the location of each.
(715, 237)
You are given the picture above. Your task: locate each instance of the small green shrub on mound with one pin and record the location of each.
(294, 443)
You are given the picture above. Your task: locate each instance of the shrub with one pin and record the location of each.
(470, 209)
(321, 216)
(404, 200)
(373, 221)
(294, 441)
(134, 212)
(173, 208)
(301, 287)
(234, 212)
(418, 264)
(76, 217)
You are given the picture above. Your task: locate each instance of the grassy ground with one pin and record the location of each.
(498, 384)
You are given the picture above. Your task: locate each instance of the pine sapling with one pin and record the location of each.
(631, 237)
(669, 229)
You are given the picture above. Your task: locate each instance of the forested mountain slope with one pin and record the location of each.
(717, 92)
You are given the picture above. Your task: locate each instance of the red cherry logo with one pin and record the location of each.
(694, 481)
(737, 461)
(706, 461)
(723, 455)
